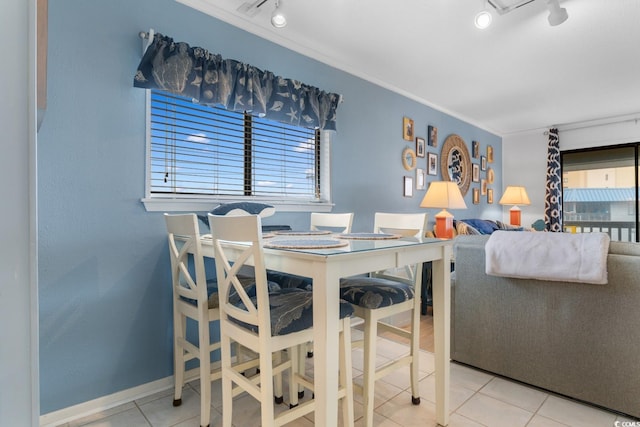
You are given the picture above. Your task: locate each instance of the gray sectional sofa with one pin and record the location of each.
(574, 339)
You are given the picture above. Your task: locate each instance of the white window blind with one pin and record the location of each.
(202, 151)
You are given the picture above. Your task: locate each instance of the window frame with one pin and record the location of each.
(636, 203)
(196, 203)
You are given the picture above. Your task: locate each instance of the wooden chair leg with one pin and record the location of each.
(346, 374)
(205, 372)
(369, 379)
(294, 355)
(302, 364)
(266, 389)
(179, 328)
(278, 395)
(227, 384)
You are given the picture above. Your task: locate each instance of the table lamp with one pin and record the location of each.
(445, 195)
(515, 195)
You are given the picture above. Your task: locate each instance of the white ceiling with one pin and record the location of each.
(520, 74)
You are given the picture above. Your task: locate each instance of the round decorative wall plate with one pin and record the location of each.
(455, 163)
(409, 158)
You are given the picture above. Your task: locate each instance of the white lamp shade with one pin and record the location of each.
(515, 195)
(443, 194)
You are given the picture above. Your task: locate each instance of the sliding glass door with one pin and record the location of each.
(600, 191)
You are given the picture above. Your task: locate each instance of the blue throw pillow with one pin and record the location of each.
(508, 227)
(239, 209)
(244, 208)
(464, 228)
(484, 226)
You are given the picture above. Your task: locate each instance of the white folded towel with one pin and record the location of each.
(580, 257)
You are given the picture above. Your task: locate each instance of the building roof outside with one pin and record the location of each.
(599, 194)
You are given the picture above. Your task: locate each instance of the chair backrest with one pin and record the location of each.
(340, 221)
(408, 225)
(237, 242)
(184, 239)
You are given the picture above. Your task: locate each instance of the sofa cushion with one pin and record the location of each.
(483, 226)
(462, 228)
(624, 248)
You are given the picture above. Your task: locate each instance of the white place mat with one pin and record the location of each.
(303, 233)
(305, 244)
(369, 236)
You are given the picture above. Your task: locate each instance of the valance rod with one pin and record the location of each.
(147, 38)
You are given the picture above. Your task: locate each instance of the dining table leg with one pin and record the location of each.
(326, 282)
(441, 288)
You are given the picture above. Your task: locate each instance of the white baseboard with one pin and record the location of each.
(103, 403)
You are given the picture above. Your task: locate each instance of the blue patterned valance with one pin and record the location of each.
(209, 79)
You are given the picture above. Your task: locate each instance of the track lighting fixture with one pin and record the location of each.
(278, 18)
(557, 14)
(483, 18)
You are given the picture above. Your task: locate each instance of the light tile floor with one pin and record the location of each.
(476, 399)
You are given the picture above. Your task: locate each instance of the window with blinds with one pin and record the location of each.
(203, 151)
(600, 190)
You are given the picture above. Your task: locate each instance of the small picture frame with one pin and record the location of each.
(490, 176)
(475, 149)
(420, 146)
(483, 187)
(490, 196)
(432, 135)
(432, 164)
(420, 179)
(407, 128)
(490, 153)
(475, 175)
(483, 163)
(476, 196)
(408, 186)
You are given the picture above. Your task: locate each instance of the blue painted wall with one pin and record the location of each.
(105, 301)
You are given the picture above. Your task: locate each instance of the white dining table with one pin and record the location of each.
(326, 266)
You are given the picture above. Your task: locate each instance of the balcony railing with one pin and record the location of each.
(622, 231)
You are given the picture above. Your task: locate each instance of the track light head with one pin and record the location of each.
(557, 14)
(278, 18)
(483, 19)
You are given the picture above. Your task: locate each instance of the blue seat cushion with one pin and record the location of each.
(286, 280)
(374, 292)
(291, 311)
(249, 286)
(212, 295)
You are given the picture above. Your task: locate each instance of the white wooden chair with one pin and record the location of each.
(195, 297)
(337, 222)
(259, 320)
(383, 294)
(340, 222)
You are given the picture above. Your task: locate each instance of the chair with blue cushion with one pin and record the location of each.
(381, 295)
(265, 323)
(195, 297)
(337, 222)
